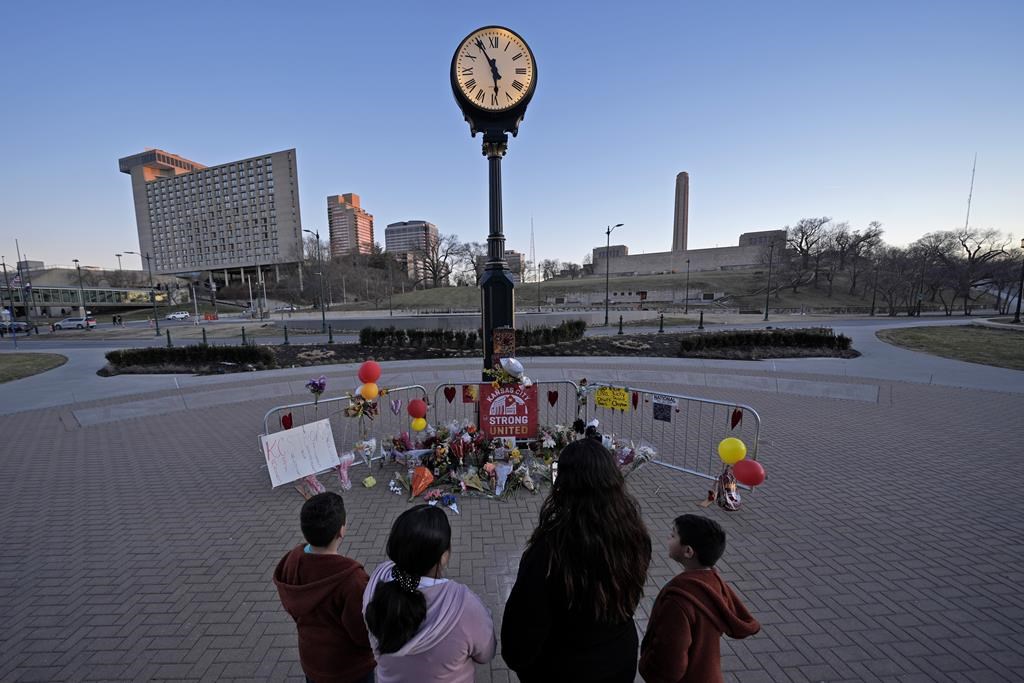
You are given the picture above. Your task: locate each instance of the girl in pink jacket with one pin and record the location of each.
(424, 627)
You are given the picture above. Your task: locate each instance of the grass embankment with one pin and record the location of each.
(745, 289)
(17, 365)
(970, 343)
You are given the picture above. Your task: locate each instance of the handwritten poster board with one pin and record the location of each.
(296, 453)
(612, 397)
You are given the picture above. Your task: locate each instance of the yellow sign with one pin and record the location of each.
(611, 397)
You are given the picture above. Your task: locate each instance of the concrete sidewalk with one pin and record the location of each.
(141, 548)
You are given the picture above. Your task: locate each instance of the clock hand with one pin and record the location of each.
(494, 66)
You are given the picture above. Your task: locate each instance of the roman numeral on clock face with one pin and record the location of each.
(480, 95)
(521, 70)
(493, 42)
(517, 85)
(494, 99)
(510, 98)
(517, 56)
(470, 84)
(469, 71)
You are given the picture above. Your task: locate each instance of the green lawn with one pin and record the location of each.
(17, 365)
(971, 343)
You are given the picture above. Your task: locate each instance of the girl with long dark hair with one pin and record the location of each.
(570, 614)
(422, 626)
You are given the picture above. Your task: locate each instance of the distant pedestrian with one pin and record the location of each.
(693, 610)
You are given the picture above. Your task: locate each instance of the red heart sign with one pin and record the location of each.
(286, 420)
(552, 397)
(636, 399)
(737, 418)
(449, 393)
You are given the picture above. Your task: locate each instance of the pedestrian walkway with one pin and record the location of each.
(140, 547)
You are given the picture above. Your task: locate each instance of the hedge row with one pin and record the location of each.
(445, 339)
(460, 339)
(814, 338)
(570, 330)
(190, 355)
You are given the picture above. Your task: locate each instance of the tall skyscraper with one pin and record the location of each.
(236, 215)
(680, 227)
(407, 236)
(351, 228)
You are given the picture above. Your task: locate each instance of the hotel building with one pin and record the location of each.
(227, 218)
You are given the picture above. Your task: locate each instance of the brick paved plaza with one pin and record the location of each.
(886, 545)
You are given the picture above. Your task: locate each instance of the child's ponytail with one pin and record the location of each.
(418, 539)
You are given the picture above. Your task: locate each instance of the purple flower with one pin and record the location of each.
(317, 385)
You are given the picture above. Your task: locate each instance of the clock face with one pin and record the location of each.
(494, 69)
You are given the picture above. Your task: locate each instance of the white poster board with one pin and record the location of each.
(296, 453)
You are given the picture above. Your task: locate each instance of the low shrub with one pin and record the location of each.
(192, 355)
(813, 338)
(571, 330)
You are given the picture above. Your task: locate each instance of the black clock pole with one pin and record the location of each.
(497, 290)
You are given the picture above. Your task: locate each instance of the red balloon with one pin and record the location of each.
(749, 472)
(417, 408)
(369, 372)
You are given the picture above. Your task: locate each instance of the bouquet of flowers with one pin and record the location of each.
(631, 458)
(317, 386)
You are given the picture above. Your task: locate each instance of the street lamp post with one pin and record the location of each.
(118, 262)
(1020, 287)
(81, 290)
(152, 291)
(686, 295)
(320, 267)
(768, 289)
(607, 265)
(874, 292)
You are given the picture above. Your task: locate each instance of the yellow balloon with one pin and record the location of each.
(731, 450)
(419, 424)
(369, 391)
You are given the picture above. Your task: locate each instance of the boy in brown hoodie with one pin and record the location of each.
(323, 592)
(693, 610)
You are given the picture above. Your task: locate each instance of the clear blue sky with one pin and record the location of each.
(860, 111)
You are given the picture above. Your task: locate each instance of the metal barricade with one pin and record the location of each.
(557, 403)
(391, 418)
(683, 430)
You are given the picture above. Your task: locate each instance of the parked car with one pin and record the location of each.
(177, 315)
(75, 324)
(286, 309)
(18, 326)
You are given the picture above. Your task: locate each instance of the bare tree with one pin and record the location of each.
(859, 250)
(550, 268)
(971, 259)
(441, 257)
(805, 237)
(575, 270)
(475, 255)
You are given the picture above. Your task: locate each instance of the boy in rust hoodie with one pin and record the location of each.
(323, 593)
(693, 610)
